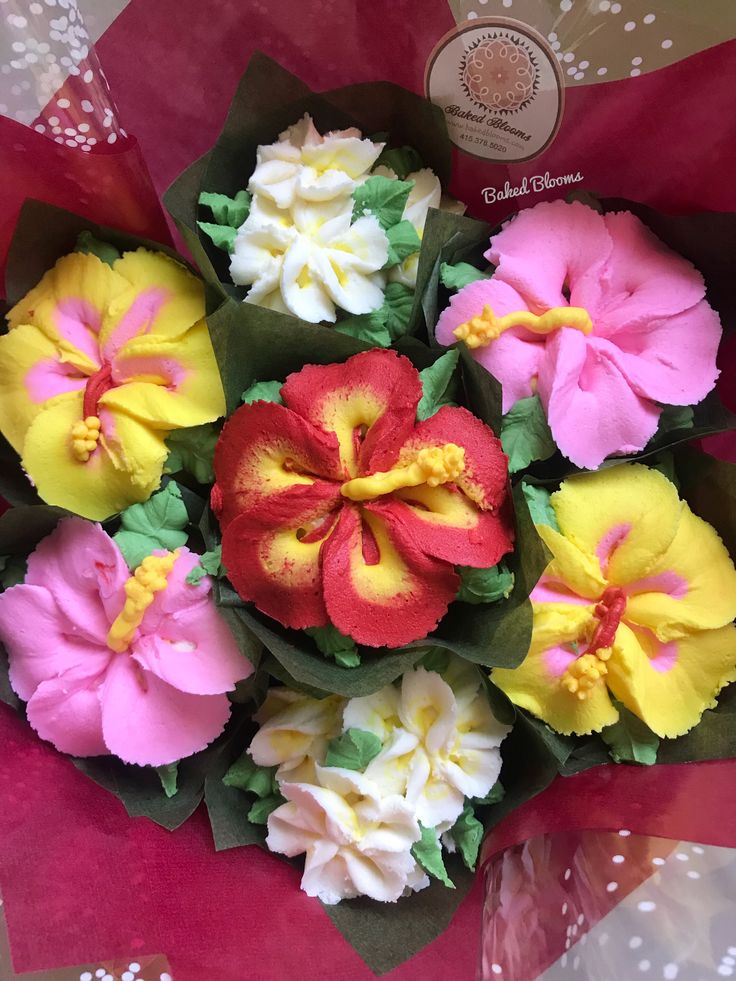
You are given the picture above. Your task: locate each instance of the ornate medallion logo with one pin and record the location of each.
(500, 87)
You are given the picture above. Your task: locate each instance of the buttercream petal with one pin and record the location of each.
(68, 714)
(691, 586)
(627, 516)
(446, 524)
(484, 479)
(536, 686)
(574, 571)
(669, 685)
(164, 300)
(258, 252)
(549, 247)
(302, 283)
(428, 708)
(168, 384)
(31, 373)
(267, 450)
(671, 360)
(368, 402)
(125, 468)
(394, 596)
(273, 554)
(643, 280)
(69, 305)
(349, 154)
(377, 713)
(41, 642)
(426, 194)
(579, 382)
(275, 179)
(148, 722)
(85, 571)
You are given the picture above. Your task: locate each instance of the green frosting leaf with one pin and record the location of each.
(258, 814)
(467, 833)
(484, 585)
(494, 796)
(12, 570)
(525, 434)
(227, 211)
(269, 391)
(169, 777)
(88, 244)
(158, 523)
(454, 277)
(403, 241)
(629, 740)
(223, 236)
(435, 380)
(428, 854)
(676, 417)
(397, 304)
(540, 506)
(353, 750)
(403, 160)
(210, 564)
(193, 450)
(331, 642)
(248, 776)
(382, 197)
(369, 327)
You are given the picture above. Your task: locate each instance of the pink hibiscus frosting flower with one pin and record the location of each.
(109, 663)
(620, 326)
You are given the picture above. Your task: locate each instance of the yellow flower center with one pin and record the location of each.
(584, 673)
(85, 435)
(434, 465)
(148, 578)
(480, 330)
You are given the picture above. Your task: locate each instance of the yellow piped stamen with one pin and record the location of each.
(85, 435)
(479, 331)
(148, 578)
(584, 673)
(434, 465)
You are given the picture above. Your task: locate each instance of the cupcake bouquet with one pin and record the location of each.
(382, 517)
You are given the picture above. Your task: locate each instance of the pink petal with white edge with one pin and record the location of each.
(591, 408)
(515, 357)
(68, 715)
(85, 571)
(195, 652)
(673, 360)
(643, 279)
(40, 642)
(146, 721)
(548, 247)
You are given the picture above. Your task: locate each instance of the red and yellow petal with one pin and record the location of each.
(446, 524)
(485, 477)
(378, 589)
(369, 403)
(273, 559)
(264, 451)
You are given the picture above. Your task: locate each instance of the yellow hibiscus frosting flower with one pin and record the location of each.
(99, 365)
(637, 604)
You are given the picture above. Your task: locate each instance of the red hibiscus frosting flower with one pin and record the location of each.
(339, 507)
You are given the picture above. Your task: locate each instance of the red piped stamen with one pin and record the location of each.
(609, 610)
(96, 386)
(319, 530)
(371, 551)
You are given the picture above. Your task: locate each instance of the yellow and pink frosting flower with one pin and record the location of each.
(99, 365)
(636, 605)
(339, 507)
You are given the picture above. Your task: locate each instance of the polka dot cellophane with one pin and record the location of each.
(50, 77)
(610, 905)
(603, 40)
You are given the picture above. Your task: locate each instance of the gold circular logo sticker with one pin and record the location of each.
(500, 87)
